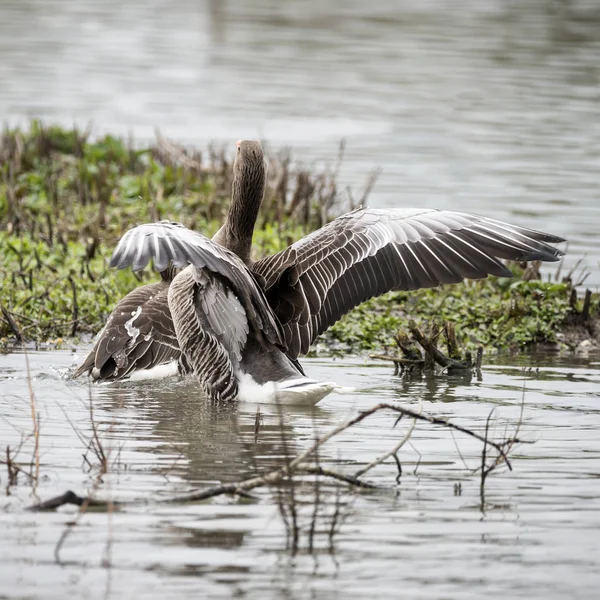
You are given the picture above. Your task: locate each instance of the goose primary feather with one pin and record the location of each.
(224, 316)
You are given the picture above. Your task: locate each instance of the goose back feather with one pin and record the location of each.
(211, 328)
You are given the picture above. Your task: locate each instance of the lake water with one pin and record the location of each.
(489, 106)
(537, 535)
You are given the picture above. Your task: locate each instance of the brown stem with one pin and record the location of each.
(11, 323)
(432, 351)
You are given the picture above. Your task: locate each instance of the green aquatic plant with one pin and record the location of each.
(65, 199)
(497, 313)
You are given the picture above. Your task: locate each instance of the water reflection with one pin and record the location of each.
(433, 388)
(220, 443)
(419, 536)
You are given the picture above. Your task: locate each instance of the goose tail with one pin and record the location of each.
(300, 390)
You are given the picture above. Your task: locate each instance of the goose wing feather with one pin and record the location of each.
(222, 310)
(210, 334)
(167, 242)
(139, 334)
(368, 252)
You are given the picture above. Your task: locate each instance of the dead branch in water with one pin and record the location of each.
(508, 444)
(305, 463)
(393, 451)
(13, 468)
(419, 352)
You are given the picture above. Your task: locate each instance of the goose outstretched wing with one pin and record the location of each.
(368, 252)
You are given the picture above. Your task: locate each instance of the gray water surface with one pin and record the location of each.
(536, 537)
(488, 106)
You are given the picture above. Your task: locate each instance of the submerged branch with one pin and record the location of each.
(307, 462)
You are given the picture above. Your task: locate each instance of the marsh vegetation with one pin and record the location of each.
(65, 199)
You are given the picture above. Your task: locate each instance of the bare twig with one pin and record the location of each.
(75, 313)
(257, 423)
(484, 469)
(292, 522)
(317, 490)
(335, 518)
(96, 446)
(369, 185)
(393, 451)
(35, 418)
(332, 474)
(13, 469)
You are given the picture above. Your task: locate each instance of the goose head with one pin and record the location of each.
(249, 168)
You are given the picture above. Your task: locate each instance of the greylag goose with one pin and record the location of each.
(139, 338)
(224, 317)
